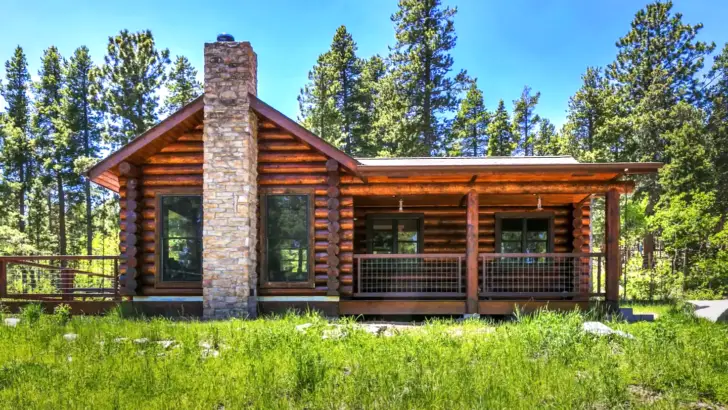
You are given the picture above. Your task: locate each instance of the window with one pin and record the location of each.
(181, 238)
(394, 234)
(523, 234)
(287, 239)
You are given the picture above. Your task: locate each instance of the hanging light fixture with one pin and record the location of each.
(538, 205)
(400, 205)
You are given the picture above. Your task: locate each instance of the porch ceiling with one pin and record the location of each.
(457, 200)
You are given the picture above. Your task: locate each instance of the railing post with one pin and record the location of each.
(116, 279)
(3, 279)
(612, 248)
(471, 253)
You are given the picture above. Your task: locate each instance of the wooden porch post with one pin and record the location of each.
(612, 248)
(133, 228)
(471, 253)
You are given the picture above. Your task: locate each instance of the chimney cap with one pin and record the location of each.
(225, 37)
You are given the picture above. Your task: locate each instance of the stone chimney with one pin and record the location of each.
(229, 180)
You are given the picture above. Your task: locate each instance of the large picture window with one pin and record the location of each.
(524, 233)
(394, 234)
(287, 240)
(181, 238)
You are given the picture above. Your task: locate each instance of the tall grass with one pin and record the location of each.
(538, 361)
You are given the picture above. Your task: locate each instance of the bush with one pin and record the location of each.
(31, 313)
(62, 314)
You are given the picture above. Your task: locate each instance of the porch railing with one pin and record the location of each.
(59, 278)
(539, 275)
(415, 275)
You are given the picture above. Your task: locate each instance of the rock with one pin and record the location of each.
(302, 328)
(166, 344)
(11, 321)
(335, 333)
(70, 337)
(141, 341)
(206, 353)
(600, 329)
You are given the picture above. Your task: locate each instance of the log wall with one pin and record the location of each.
(445, 226)
(177, 168)
(286, 162)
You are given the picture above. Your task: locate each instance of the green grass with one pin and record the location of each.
(540, 361)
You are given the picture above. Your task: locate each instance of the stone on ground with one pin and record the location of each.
(600, 329)
(70, 337)
(11, 321)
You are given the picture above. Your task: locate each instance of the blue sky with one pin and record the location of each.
(505, 44)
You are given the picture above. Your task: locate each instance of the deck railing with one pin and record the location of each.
(59, 278)
(415, 275)
(538, 275)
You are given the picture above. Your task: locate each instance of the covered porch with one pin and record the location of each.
(463, 248)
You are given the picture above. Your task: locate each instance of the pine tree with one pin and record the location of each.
(182, 85)
(133, 72)
(717, 126)
(655, 69)
(501, 141)
(53, 140)
(347, 68)
(588, 112)
(469, 131)
(525, 120)
(422, 70)
(373, 72)
(317, 105)
(17, 146)
(547, 141)
(83, 122)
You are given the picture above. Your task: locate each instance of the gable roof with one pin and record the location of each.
(148, 143)
(302, 133)
(151, 141)
(105, 172)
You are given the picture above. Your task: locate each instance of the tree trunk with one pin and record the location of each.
(62, 248)
(21, 199)
(87, 182)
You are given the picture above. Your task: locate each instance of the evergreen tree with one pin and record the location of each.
(133, 72)
(182, 85)
(501, 141)
(83, 122)
(373, 72)
(17, 144)
(547, 141)
(347, 68)
(422, 68)
(525, 120)
(56, 151)
(317, 105)
(469, 131)
(588, 112)
(717, 127)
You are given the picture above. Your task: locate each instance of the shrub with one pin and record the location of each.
(31, 313)
(62, 314)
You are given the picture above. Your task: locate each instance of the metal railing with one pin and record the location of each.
(414, 275)
(59, 278)
(539, 275)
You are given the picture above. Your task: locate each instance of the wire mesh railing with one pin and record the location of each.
(413, 275)
(537, 275)
(54, 278)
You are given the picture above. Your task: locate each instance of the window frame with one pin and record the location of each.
(159, 282)
(548, 215)
(420, 217)
(263, 241)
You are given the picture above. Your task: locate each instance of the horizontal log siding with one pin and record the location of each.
(444, 230)
(175, 167)
(286, 162)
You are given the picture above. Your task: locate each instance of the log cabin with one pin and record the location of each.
(229, 204)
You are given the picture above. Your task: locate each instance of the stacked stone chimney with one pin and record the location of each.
(229, 180)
